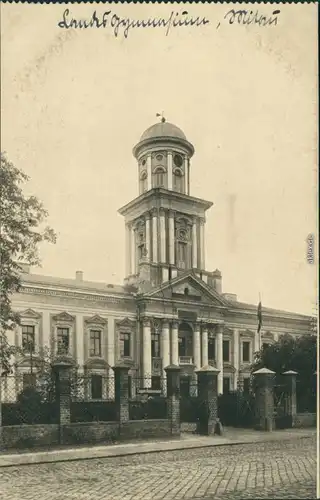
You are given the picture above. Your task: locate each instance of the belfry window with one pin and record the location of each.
(178, 180)
(159, 177)
(143, 182)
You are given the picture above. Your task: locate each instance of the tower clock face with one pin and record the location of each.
(177, 159)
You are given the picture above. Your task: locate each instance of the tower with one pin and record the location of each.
(165, 225)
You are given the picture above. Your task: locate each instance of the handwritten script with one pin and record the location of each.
(123, 25)
(246, 17)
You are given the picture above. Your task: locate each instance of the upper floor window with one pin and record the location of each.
(143, 182)
(246, 352)
(96, 386)
(178, 180)
(226, 348)
(125, 350)
(155, 345)
(159, 177)
(178, 160)
(182, 254)
(95, 343)
(63, 339)
(28, 338)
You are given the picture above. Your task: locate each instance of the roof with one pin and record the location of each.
(38, 279)
(163, 129)
(254, 307)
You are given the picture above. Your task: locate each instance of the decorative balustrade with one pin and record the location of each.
(185, 360)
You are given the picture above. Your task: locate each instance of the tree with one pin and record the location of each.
(21, 231)
(289, 353)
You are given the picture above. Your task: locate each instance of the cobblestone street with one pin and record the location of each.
(262, 470)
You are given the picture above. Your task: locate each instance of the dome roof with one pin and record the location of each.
(163, 129)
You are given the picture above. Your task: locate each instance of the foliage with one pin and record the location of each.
(290, 353)
(21, 232)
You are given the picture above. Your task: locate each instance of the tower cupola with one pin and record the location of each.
(163, 154)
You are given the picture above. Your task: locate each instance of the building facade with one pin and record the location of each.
(170, 310)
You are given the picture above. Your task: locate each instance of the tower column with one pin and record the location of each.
(174, 343)
(219, 341)
(170, 170)
(202, 245)
(149, 178)
(186, 175)
(171, 237)
(194, 244)
(162, 236)
(148, 235)
(155, 236)
(133, 249)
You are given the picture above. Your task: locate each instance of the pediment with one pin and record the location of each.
(64, 316)
(247, 333)
(98, 363)
(267, 335)
(125, 323)
(188, 288)
(30, 313)
(96, 319)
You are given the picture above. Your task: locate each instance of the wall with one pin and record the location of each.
(37, 436)
(305, 420)
(29, 436)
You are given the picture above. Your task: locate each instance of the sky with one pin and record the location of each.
(75, 102)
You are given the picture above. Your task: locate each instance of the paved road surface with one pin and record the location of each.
(262, 470)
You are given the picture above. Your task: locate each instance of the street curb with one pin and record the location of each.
(127, 453)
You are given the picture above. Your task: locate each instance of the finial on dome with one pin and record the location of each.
(162, 117)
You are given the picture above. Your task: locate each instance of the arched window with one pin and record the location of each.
(178, 180)
(159, 177)
(143, 182)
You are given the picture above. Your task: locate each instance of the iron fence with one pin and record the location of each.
(306, 396)
(93, 398)
(147, 397)
(27, 400)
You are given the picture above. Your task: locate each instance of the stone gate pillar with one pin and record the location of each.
(208, 399)
(62, 369)
(290, 378)
(173, 398)
(121, 377)
(264, 399)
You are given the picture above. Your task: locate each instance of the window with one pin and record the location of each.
(63, 340)
(246, 352)
(155, 382)
(95, 343)
(159, 176)
(185, 386)
(182, 346)
(155, 345)
(129, 386)
(96, 386)
(226, 385)
(265, 345)
(144, 182)
(125, 345)
(246, 384)
(178, 180)
(212, 348)
(225, 348)
(182, 254)
(178, 160)
(28, 338)
(28, 380)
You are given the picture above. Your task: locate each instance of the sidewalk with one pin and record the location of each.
(230, 437)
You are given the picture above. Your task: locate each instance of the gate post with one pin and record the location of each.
(121, 393)
(290, 378)
(173, 398)
(208, 399)
(264, 399)
(62, 370)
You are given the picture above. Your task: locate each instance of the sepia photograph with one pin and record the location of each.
(159, 251)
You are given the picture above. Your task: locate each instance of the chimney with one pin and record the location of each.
(79, 276)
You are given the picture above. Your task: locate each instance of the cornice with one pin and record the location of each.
(92, 297)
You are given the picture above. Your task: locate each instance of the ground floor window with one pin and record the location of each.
(96, 386)
(155, 382)
(226, 385)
